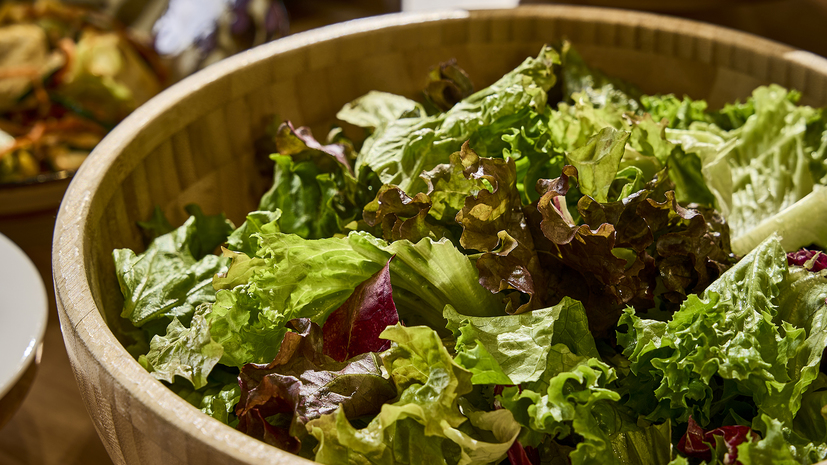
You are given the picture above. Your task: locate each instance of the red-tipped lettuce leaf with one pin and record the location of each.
(493, 222)
(291, 140)
(302, 384)
(628, 252)
(401, 216)
(447, 85)
(519, 455)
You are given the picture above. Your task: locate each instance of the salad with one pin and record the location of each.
(554, 269)
(67, 76)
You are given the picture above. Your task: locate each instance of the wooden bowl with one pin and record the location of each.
(194, 143)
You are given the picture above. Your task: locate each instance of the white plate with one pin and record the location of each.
(23, 313)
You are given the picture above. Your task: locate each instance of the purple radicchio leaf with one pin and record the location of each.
(812, 260)
(696, 442)
(353, 329)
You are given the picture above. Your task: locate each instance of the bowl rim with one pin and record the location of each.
(78, 311)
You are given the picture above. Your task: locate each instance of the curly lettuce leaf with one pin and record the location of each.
(779, 445)
(493, 222)
(575, 399)
(628, 252)
(426, 424)
(448, 187)
(291, 278)
(403, 217)
(678, 113)
(427, 275)
(404, 148)
(600, 89)
(299, 278)
(740, 338)
(244, 238)
(188, 352)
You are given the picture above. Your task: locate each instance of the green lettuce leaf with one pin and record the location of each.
(779, 445)
(404, 148)
(448, 187)
(597, 87)
(745, 337)
(174, 274)
(156, 226)
(426, 423)
(597, 162)
(770, 167)
(811, 420)
(186, 352)
(428, 275)
(575, 399)
(244, 238)
(298, 278)
(217, 398)
(679, 114)
(643, 446)
(514, 349)
(375, 110)
(313, 185)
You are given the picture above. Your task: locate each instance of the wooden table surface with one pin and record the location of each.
(52, 426)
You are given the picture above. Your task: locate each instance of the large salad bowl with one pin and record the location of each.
(194, 143)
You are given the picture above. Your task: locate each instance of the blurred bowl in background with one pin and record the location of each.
(37, 194)
(23, 314)
(194, 143)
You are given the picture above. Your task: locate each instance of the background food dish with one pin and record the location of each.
(23, 310)
(194, 143)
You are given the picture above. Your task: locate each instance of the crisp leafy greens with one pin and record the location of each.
(405, 147)
(429, 423)
(536, 273)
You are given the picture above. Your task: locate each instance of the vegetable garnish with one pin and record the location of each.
(68, 74)
(499, 277)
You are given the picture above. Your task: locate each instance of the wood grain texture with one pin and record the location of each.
(193, 143)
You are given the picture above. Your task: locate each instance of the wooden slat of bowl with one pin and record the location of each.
(194, 143)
